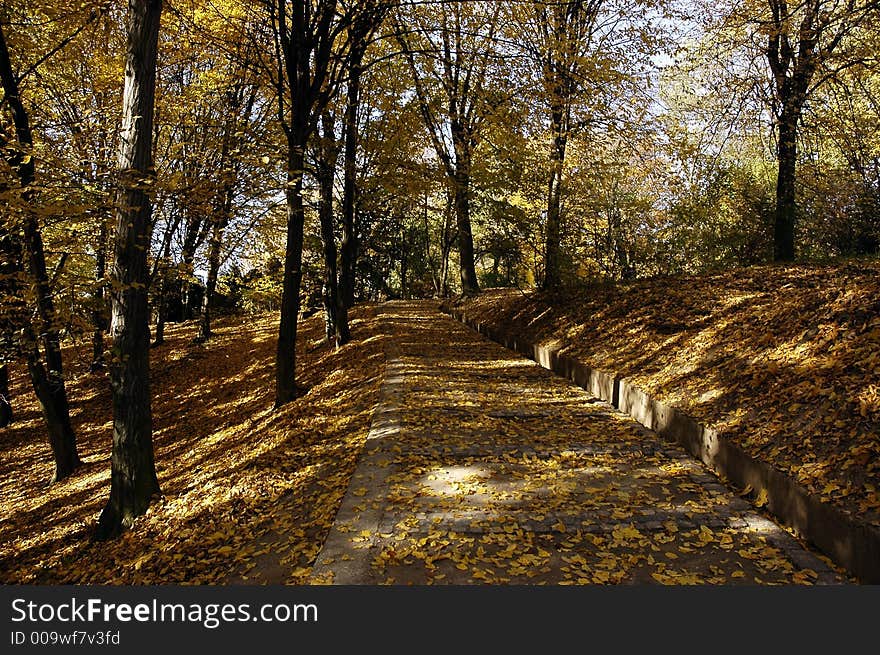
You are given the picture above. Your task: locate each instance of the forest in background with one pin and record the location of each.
(166, 162)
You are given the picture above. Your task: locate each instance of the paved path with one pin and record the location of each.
(482, 467)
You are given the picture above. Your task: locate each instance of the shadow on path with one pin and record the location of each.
(482, 467)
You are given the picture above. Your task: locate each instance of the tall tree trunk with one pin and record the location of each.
(99, 317)
(285, 360)
(133, 480)
(467, 270)
(552, 265)
(325, 167)
(48, 378)
(786, 206)
(349, 244)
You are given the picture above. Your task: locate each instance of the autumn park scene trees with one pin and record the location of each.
(440, 291)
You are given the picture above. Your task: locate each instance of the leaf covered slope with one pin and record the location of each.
(248, 493)
(785, 361)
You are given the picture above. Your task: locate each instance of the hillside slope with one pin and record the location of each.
(785, 361)
(239, 480)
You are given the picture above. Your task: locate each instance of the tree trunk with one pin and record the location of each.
(161, 311)
(133, 480)
(552, 273)
(53, 401)
(467, 269)
(325, 167)
(187, 290)
(99, 318)
(223, 211)
(285, 360)
(213, 271)
(786, 206)
(446, 245)
(162, 296)
(349, 246)
(12, 312)
(221, 220)
(48, 380)
(5, 401)
(404, 260)
(432, 263)
(194, 236)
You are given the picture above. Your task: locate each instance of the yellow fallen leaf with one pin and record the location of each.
(762, 498)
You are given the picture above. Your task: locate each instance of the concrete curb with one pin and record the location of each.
(853, 545)
(347, 553)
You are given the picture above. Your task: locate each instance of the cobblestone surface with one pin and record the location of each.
(482, 467)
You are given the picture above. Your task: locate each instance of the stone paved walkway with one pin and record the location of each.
(482, 467)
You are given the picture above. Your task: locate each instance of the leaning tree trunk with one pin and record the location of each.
(285, 358)
(133, 480)
(47, 377)
(786, 205)
(53, 402)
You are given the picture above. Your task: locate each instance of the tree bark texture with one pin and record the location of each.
(133, 481)
(463, 153)
(325, 166)
(285, 358)
(349, 246)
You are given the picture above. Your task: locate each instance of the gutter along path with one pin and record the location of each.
(481, 467)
